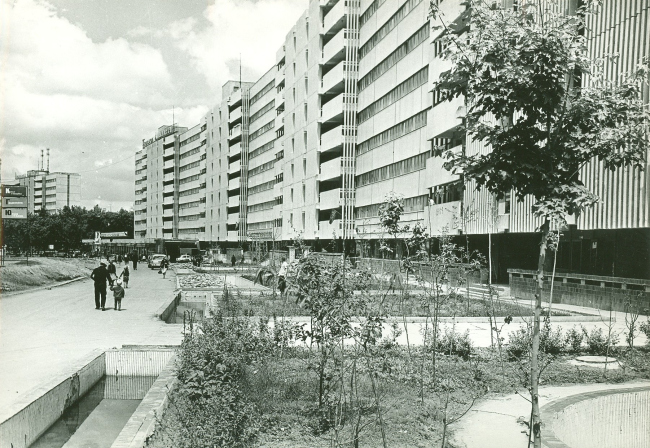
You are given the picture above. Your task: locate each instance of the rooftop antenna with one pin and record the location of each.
(240, 71)
(42, 164)
(48, 160)
(173, 119)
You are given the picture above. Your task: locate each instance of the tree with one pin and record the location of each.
(522, 72)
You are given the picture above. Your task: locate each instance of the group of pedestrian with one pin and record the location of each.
(104, 274)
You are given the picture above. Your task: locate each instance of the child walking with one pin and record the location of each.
(118, 294)
(125, 276)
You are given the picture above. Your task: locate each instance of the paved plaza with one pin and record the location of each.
(44, 333)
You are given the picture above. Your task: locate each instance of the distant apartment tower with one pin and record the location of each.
(50, 191)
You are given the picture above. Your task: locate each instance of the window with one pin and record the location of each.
(292, 195)
(411, 43)
(304, 135)
(262, 111)
(303, 220)
(304, 167)
(264, 129)
(449, 192)
(409, 125)
(408, 86)
(414, 204)
(258, 95)
(305, 112)
(393, 170)
(292, 173)
(262, 149)
(306, 57)
(374, 6)
(293, 119)
(388, 27)
(304, 194)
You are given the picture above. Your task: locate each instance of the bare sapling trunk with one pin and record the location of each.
(536, 426)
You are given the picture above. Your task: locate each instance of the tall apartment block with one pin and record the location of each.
(50, 191)
(348, 114)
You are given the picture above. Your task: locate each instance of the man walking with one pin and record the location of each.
(100, 277)
(135, 260)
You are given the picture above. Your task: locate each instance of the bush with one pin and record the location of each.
(597, 341)
(551, 341)
(455, 343)
(645, 329)
(573, 339)
(520, 343)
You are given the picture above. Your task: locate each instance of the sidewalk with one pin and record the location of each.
(493, 422)
(44, 332)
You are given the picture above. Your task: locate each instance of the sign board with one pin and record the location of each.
(14, 202)
(14, 191)
(87, 241)
(14, 213)
(113, 234)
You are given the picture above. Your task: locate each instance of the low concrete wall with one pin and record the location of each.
(137, 362)
(618, 418)
(143, 421)
(583, 290)
(45, 404)
(165, 311)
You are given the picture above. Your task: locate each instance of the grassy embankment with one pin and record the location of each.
(19, 276)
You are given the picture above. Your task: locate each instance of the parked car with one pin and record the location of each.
(185, 258)
(155, 260)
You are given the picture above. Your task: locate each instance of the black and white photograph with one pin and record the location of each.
(325, 223)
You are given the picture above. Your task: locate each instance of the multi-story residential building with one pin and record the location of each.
(50, 191)
(347, 115)
(155, 185)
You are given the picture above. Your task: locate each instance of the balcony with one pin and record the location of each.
(436, 174)
(335, 18)
(233, 184)
(334, 50)
(235, 133)
(445, 118)
(235, 115)
(169, 200)
(330, 199)
(168, 151)
(234, 167)
(330, 170)
(168, 164)
(233, 235)
(168, 212)
(167, 177)
(234, 150)
(279, 121)
(279, 75)
(327, 231)
(333, 81)
(331, 139)
(279, 98)
(233, 218)
(233, 201)
(235, 98)
(333, 110)
(443, 218)
(168, 188)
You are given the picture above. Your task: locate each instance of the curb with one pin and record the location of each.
(40, 288)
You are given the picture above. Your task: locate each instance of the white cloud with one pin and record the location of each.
(254, 29)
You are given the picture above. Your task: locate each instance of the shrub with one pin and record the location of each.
(574, 338)
(455, 343)
(598, 342)
(645, 329)
(519, 343)
(551, 341)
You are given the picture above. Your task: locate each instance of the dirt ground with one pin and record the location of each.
(17, 275)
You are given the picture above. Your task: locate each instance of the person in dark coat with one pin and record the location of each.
(112, 272)
(100, 277)
(135, 261)
(233, 260)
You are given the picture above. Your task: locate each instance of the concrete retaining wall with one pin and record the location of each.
(45, 404)
(614, 419)
(137, 362)
(592, 291)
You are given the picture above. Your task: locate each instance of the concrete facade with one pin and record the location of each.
(50, 191)
(348, 114)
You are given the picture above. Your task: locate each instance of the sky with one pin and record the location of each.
(89, 79)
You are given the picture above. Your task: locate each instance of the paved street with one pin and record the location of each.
(45, 332)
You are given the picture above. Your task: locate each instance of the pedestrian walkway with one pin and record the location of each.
(497, 422)
(45, 332)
